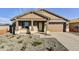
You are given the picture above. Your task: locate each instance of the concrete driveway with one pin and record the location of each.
(69, 40)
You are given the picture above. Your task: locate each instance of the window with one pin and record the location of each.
(50, 22)
(35, 23)
(76, 27)
(25, 24)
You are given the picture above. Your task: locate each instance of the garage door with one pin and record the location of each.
(56, 27)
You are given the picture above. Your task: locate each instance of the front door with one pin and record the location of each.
(26, 25)
(41, 26)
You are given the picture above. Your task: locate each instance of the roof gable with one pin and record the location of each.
(42, 13)
(31, 15)
(50, 14)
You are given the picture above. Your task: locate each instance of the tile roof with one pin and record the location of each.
(74, 20)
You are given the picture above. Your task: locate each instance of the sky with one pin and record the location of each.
(7, 13)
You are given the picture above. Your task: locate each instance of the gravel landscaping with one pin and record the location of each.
(9, 42)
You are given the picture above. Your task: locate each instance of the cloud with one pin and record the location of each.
(4, 20)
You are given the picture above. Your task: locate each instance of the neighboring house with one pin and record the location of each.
(74, 25)
(39, 21)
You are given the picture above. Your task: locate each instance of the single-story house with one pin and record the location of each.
(74, 25)
(39, 21)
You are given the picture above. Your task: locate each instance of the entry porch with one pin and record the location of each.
(30, 27)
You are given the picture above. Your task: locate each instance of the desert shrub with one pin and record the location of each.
(18, 37)
(2, 46)
(50, 49)
(20, 41)
(12, 36)
(36, 43)
(23, 47)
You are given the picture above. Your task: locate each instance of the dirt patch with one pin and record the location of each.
(3, 31)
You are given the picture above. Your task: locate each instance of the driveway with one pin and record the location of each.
(69, 40)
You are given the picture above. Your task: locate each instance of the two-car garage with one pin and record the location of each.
(57, 27)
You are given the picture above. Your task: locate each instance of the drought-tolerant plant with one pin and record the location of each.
(20, 41)
(2, 46)
(36, 43)
(18, 37)
(50, 49)
(12, 37)
(23, 47)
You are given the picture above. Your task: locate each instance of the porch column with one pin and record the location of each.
(32, 26)
(17, 26)
(46, 27)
